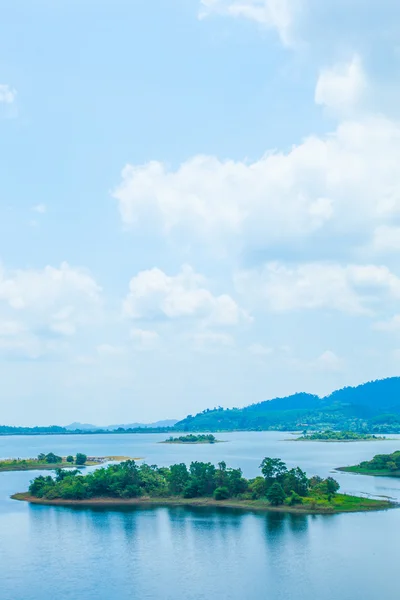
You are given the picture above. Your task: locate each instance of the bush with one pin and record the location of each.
(221, 493)
(70, 459)
(81, 459)
(294, 499)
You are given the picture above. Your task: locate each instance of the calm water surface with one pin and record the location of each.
(196, 554)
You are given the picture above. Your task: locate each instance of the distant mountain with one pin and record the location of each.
(88, 427)
(373, 406)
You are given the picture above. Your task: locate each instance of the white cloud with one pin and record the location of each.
(345, 184)
(354, 289)
(386, 239)
(391, 325)
(341, 87)
(52, 299)
(7, 94)
(210, 340)
(274, 14)
(11, 328)
(328, 361)
(144, 338)
(40, 208)
(109, 350)
(154, 295)
(260, 350)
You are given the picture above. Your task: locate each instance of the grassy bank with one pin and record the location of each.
(341, 503)
(35, 465)
(366, 471)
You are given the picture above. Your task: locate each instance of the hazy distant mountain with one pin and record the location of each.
(88, 427)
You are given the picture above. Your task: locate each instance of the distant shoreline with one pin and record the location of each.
(354, 504)
(97, 461)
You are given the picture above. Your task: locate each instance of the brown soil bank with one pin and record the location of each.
(340, 504)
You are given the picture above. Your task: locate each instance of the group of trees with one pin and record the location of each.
(278, 484)
(53, 459)
(382, 462)
(340, 436)
(193, 439)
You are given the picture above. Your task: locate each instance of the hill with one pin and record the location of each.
(372, 406)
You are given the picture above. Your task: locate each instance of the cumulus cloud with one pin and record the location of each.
(329, 361)
(56, 300)
(274, 14)
(341, 87)
(386, 239)
(7, 94)
(353, 289)
(153, 295)
(345, 184)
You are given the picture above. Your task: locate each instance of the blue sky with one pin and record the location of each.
(199, 203)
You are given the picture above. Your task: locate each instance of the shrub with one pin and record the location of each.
(221, 493)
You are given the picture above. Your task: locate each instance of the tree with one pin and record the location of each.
(70, 459)
(53, 459)
(178, 478)
(273, 468)
(80, 459)
(275, 494)
(221, 493)
(257, 488)
(332, 486)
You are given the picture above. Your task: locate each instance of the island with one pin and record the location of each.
(338, 436)
(202, 484)
(52, 461)
(383, 465)
(193, 439)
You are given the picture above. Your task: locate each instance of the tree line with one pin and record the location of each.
(277, 484)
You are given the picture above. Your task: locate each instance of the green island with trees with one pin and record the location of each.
(384, 465)
(338, 436)
(52, 461)
(193, 439)
(126, 483)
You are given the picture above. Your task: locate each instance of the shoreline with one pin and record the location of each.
(392, 474)
(361, 504)
(98, 460)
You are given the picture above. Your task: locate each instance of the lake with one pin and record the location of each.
(198, 554)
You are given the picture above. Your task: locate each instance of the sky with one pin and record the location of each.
(199, 204)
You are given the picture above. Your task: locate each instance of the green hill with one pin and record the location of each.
(373, 406)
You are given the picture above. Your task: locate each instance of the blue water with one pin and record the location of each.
(196, 554)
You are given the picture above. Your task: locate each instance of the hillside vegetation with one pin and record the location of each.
(373, 407)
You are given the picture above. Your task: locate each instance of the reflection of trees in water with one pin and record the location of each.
(279, 524)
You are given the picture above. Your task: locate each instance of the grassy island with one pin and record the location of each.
(193, 439)
(202, 484)
(338, 436)
(52, 461)
(383, 465)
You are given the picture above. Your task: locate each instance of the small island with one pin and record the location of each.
(193, 439)
(52, 461)
(382, 465)
(338, 436)
(202, 484)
